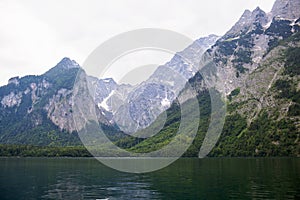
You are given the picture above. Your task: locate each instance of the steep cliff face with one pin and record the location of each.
(247, 22)
(255, 67)
(288, 9)
(59, 110)
(264, 87)
(263, 114)
(241, 50)
(36, 109)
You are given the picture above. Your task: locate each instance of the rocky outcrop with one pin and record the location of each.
(12, 100)
(241, 50)
(247, 22)
(59, 110)
(287, 9)
(14, 80)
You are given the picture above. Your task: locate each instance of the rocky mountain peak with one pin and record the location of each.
(288, 9)
(258, 13)
(63, 66)
(246, 22)
(259, 16)
(245, 15)
(67, 63)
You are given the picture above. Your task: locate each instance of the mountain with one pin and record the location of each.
(263, 113)
(253, 68)
(243, 47)
(36, 110)
(148, 100)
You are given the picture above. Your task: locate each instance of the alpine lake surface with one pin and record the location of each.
(187, 178)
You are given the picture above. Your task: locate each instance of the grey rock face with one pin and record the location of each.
(241, 50)
(103, 89)
(12, 100)
(247, 23)
(149, 99)
(288, 9)
(38, 94)
(116, 98)
(59, 110)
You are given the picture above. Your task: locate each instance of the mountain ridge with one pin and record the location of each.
(252, 67)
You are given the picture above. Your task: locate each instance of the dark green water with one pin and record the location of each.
(211, 178)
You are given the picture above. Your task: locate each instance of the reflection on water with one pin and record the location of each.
(217, 178)
(75, 186)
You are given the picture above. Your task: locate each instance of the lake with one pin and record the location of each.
(187, 178)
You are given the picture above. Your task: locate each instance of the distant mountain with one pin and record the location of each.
(148, 100)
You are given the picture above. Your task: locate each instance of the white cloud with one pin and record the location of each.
(35, 35)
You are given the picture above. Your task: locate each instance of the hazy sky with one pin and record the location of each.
(36, 34)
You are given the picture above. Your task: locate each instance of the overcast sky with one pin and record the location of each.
(36, 34)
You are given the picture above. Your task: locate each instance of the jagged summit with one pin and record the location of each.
(258, 13)
(249, 21)
(63, 66)
(288, 9)
(246, 22)
(259, 16)
(67, 63)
